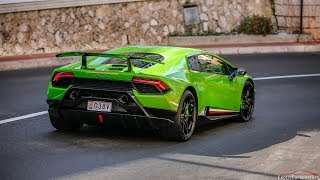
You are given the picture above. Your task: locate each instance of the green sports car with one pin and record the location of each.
(167, 89)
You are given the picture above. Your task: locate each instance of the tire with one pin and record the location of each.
(64, 125)
(184, 120)
(247, 102)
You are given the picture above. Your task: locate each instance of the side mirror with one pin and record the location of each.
(237, 72)
(241, 72)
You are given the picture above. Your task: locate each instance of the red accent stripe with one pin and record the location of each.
(100, 118)
(220, 112)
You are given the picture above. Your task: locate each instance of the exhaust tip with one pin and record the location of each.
(74, 95)
(124, 99)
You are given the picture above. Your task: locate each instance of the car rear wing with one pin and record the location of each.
(84, 56)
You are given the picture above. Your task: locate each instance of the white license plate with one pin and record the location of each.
(99, 106)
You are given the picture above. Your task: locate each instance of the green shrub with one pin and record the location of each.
(256, 25)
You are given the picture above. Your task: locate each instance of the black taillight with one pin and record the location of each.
(62, 79)
(150, 86)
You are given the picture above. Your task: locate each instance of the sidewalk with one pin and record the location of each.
(260, 48)
(49, 59)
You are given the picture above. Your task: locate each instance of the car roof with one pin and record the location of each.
(166, 51)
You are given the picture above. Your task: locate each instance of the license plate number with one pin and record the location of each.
(99, 106)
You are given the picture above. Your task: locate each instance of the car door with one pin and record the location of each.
(218, 91)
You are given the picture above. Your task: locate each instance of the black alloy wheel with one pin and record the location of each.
(184, 121)
(187, 116)
(247, 106)
(63, 124)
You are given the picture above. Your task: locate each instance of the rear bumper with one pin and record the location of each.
(150, 120)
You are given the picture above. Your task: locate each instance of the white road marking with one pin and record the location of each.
(256, 79)
(23, 117)
(285, 77)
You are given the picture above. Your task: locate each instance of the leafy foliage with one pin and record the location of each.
(256, 24)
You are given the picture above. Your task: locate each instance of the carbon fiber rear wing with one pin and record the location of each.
(84, 56)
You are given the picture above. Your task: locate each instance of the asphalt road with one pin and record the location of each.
(283, 137)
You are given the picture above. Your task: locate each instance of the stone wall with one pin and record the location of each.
(113, 25)
(288, 16)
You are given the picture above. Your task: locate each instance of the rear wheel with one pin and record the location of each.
(184, 120)
(64, 125)
(247, 106)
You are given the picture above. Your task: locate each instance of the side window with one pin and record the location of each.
(193, 63)
(212, 64)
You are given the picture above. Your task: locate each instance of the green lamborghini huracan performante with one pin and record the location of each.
(167, 89)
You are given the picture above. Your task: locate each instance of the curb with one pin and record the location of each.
(240, 39)
(264, 49)
(35, 63)
(8, 63)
